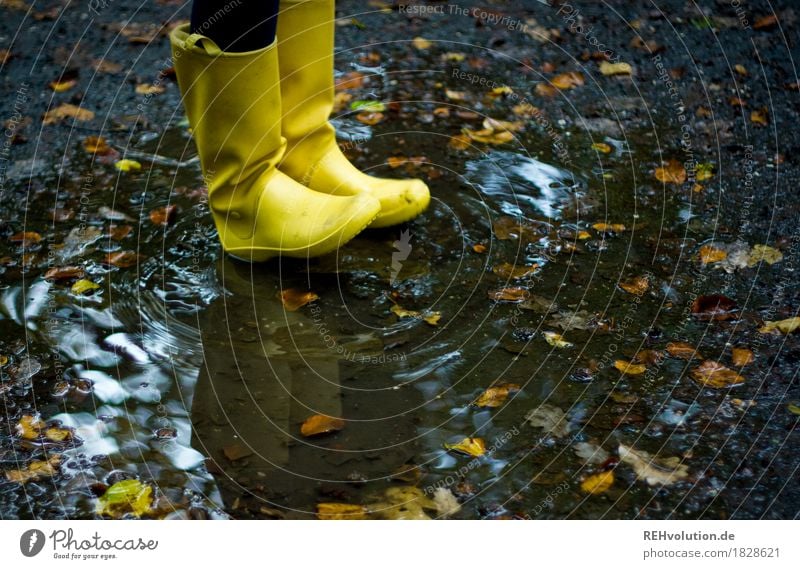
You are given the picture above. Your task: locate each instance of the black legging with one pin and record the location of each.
(236, 25)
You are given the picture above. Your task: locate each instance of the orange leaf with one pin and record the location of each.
(26, 238)
(672, 172)
(567, 80)
(67, 111)
(370, 119)
(509, 271)
(636, 285)
(629, 368)
(714, 374)
(765, 22)
(709, 254)
(320, 425)
(96, 145)
(123, 259)
(293, 299)
(496, 396)
(741, 356)
(682, 350)
(163, 215)
(64, 273)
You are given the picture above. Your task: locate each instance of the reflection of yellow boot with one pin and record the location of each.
(305, 46)
(233, 104)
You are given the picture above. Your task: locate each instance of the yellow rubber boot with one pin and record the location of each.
(305, 53)
(233, 104)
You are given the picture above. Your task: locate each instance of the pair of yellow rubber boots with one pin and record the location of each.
(278, 184)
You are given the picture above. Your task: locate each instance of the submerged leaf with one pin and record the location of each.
(549, 418)
(654, 471)
(126, 497)
(320, 425)
(709, 254)
(765, 253)
(294, 299)
(741, 356)
(636, 285)
(714, 374)
(497, 395)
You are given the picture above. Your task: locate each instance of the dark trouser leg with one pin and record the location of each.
(236, 25)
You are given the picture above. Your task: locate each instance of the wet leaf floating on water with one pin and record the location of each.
(568, 80)
(164, 215)
(497, 395)
(714, 374)
(123, 259)
(714, 307)
(432, 318)
(556, 340)
(57, 435)
(336, 511)
(764, 253)
(126, 165)
(672, 172)
(64, 273)
(472, 446)
(629, 368)
(550, 419)
(509, 294)
(509, 271)
(607, 68)
(741, 356)
(35, 470)
(654, 471)
(636, 285)
(29, 427)
(598, 483)
(429, 317)
(293, 299)
(126, 497)
(320, 425)
(709, 254)
(26, 238)
(66, 111)
(786, 326)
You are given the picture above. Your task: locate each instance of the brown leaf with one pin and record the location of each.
(320, 425)
(497, 395)
(64, 273)
(26, 238)
(760, 117)
(149, 89)
(123, 259)
(105, 66)
(568, 80)
(119, 232)
(509, 271)
(609, 227)
(741, 356)
(709, 254)
(765, 22)
(67, 111)
(683, 350)
(97, 145)
(510, 294)
(714, 374)
(636, 285)
(164, 215)
(350, 80)
(294, 299)
(545, 90)
(629, 368)
(460, 142)
(672, 172)
(714, 307)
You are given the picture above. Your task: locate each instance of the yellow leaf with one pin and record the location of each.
(498, 125)
(500, 91)
(320, 425)
(598, 483)
(760, 117)
(714, 374)
(432, 318)
(765, 253)
(58, 435)
(457, 96)
(403, 313)
(454, 56)
(781, 326)
(709, 254)
(584, 235)
(421, 43)
(126, 497)
(148, 89)
(29, 427)
(509, 271)
(496, 396)
(460, 142)
(609, 227)
(607, 68)
(67, 111)
(473, 446)
(740, 69)
(61, 86)
(335, 511)
(567, 80)
(96, 145)
(629, 368)
(525, 110)
(602, 147)
(556, 340)
(741, 356)
(704, 171)
(682, 350)
(672, 172)
(126, 165)
(83, 285)
(636, 285)
(35, 470)
(489, 135)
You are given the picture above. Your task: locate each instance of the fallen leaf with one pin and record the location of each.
(682, 350)
(446, 502)
(29, 427)
(500, 125)
(629, 368)
(545, 90)
(96, 145)
(421, 43)
(64, 273)
(602, 147)
(714, 307)
(741, 356)
(403, 503)
(65, 111)
(472, 446)
(83, 286)
(119, 232)
(335, 511)
(320, 425)
(26, 238)
(609, 227)
(714, 374)
(457, 96)
(654, 471)
(709, 254)
(350, 80)
(61, 86)
(786, 326)
(164, 215)
(598, 483)
(607, 68)
(479, 248)
(525, 110)
(149, 89)
(294, 299)
(509, 294)
(549, 418)
(765, 253)
(105, 66)
(125, 497)
(740, 69)
(460, 142)
(370, 119)
(509, 271)
(126, 165)
(760, 117)
(591, 453)
(489, 135)
(765, 22)
(497, 395)
(123, 259)
(35, 470)
(636, 285)
(672, 172)
(704, 171)
(57, 435)
(556, 340)
(432, 318)
(568, 80)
